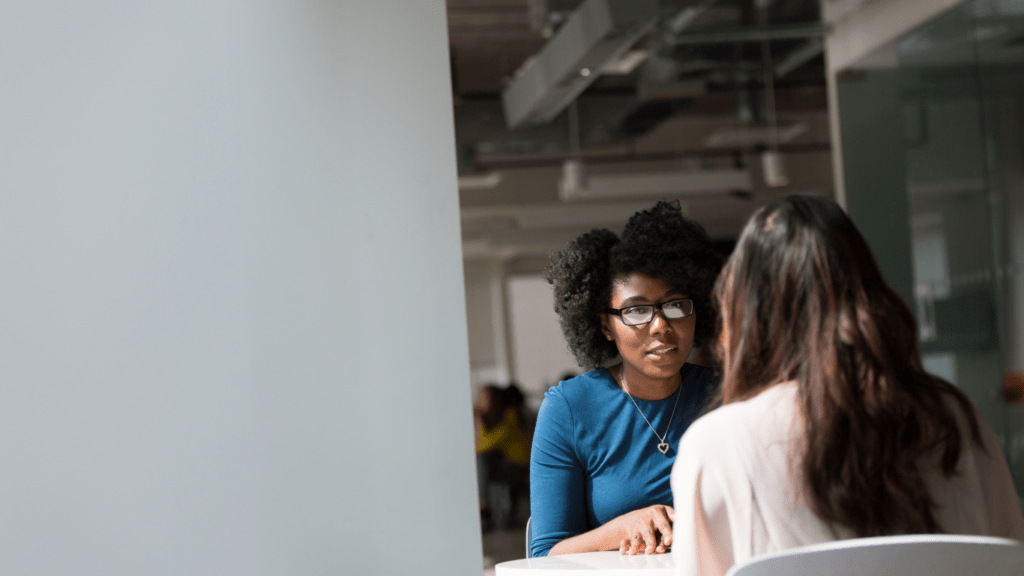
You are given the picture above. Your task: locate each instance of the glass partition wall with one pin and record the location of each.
(933, 146)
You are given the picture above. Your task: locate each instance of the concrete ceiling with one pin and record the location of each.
(515, 213)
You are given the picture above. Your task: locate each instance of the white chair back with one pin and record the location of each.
(913, 555)
(529, 537)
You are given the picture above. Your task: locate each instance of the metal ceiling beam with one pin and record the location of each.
(789, 32)
(598, 32)
(552, 159)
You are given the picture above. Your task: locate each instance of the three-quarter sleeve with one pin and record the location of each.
(557, 504)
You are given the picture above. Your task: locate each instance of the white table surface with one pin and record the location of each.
(610, 563)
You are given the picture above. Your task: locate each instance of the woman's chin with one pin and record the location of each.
(664, 365)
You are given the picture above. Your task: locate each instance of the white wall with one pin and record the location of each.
(541, 354)
(513, 331)
(489, 344)
(232, 323)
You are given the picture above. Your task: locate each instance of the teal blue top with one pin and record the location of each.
(594, 457)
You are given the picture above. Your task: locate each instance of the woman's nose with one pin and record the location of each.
(659, 324)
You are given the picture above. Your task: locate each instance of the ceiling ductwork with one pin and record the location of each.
(574, 114)
(597, 34)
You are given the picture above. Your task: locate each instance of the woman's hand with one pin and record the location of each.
(647, 530)
(644, 531)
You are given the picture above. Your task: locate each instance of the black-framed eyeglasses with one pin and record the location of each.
(637, 315)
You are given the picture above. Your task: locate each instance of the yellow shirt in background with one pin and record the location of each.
(508, 437)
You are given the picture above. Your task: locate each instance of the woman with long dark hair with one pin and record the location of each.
(828, 426)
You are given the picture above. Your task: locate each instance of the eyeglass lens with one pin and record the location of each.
(672, 310)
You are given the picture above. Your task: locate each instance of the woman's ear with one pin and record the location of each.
(606, 329)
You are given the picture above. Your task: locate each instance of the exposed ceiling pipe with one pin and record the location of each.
(731, 36)
(799, 57)
(625, 157)
(687, 15)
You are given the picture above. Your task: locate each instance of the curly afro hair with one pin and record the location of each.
(660, 243)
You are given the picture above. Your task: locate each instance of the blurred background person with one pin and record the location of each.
(502, 452)
(515, 400)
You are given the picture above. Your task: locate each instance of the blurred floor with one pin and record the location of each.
(502, 546)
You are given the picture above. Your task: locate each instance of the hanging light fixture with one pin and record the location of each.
(771, 160)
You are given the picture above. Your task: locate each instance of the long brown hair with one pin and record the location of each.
(802, 299)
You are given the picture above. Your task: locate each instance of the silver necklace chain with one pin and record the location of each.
(662, 445)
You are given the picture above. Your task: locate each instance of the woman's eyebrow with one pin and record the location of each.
(633, 301)
(638, 299)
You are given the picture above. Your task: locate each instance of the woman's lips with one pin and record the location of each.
(662, 350)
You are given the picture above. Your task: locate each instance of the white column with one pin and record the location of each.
(500, 319)
(232, 326)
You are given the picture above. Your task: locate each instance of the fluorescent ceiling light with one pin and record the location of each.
(484, 181)
(743, 136)
(575, 185)
(625, 64)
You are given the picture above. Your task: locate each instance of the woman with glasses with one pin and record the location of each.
(632, 308)
(829, 427)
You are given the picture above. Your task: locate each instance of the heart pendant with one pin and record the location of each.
(663, 447)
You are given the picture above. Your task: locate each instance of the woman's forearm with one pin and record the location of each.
(604, 537)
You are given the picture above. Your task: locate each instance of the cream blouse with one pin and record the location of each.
(736, 495)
